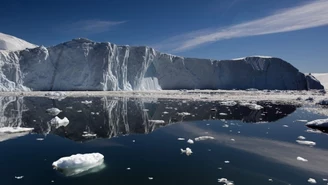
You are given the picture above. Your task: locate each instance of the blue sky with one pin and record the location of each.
(294, 30)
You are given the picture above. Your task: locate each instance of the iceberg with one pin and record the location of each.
(59, 122)
(12, 130)
(81, 65)
(53, 111)
(318, 124)
(202, 138)
(79, 163)
(187, 151)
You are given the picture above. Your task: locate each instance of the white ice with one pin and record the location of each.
(157, 121)
(8, 42)
(53, 111)
(320, 123)
(184, 114)
(77, 161)
(187, 151)
(202, 138)
(302, 142)
(302, 159)
(10, 130)
(59, 122)
(225, 181)
(190, 141)
(312, 181)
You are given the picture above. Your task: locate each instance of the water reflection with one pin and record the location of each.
(112, 117)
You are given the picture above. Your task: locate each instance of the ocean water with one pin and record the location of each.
(250, 147)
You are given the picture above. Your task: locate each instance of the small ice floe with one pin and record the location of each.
(319, 123)
(187, 151)
(39, 139)
(184, 114)
(181, 139)
(232, 139)
(202, 138)
(225, 126)
(165, 112)
(301, 159)
(228, 103)
(79, 163)
(86, 102)
(145, 110)
(313, 131)
(251, 106)
(133, 141)
(225, 181)
(301, 120)
(226, 162)
(56, 95)
(301, 137)
(11, 130)
(53, 111)
(270, 180)
(150, 178)
(59, 122)
(19, 177)
(128, 168)
(157, 121)
(79, 111)
(312, 181)
(285, 126)
(302, 142)
(92, 113)
(223, 114)
(190, 141)
(219, 168)
(69, 107)
(87, 135)
(325, 180)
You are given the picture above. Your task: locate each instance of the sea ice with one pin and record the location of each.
(225, 181)
(187, 151)
(312, 181)
(11, 130)
(184, 114)
(302, 142)
(59, 122)
(86, 102)
(78, 163)
(319, 123)
(301, 137)
(157, 121)
(202, 138)
(301, 159)
(190, 141)
(53, 111)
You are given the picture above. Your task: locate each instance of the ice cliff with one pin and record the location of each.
(82, 64)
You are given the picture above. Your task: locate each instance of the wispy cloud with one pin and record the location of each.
(92, 26)
(313, 14)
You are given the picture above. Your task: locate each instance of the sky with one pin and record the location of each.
(294, 30)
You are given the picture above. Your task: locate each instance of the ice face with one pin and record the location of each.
(81, 64)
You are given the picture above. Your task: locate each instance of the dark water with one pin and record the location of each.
(263, 148)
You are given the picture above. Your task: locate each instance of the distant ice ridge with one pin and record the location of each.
(82, 64)
(8, 42)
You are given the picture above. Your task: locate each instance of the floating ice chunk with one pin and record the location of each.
(202, 138)
(59, 122)
(325, 179)
(301, 120)
(11, 130)
(301, 159)
(165, 112)
(181, 139)
(79, 111)
(76, 164)
(227, 162)
(225, 181)
(270, 180)
(150, 178)
(187, 151)
(39, 139)
(301, 137)
(319, 123)
(184, 114)
(228, 103)
(157, 121)
(145, 110)
(128, 168)
(312, 181)
(302, 142)
(190, 141)
(89, 135)
(285, 126)
(223, 114)
(233, 139)
(86, 102)
(53, 111)
(225, 126)
(313, 131)
(255, 106)
(19, 177)
(92, 113)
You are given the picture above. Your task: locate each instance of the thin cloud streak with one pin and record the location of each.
(309, 15)
(93, 26)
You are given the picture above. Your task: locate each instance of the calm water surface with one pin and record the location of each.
(259, 145)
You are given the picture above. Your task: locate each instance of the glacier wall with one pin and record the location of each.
(82, 64)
